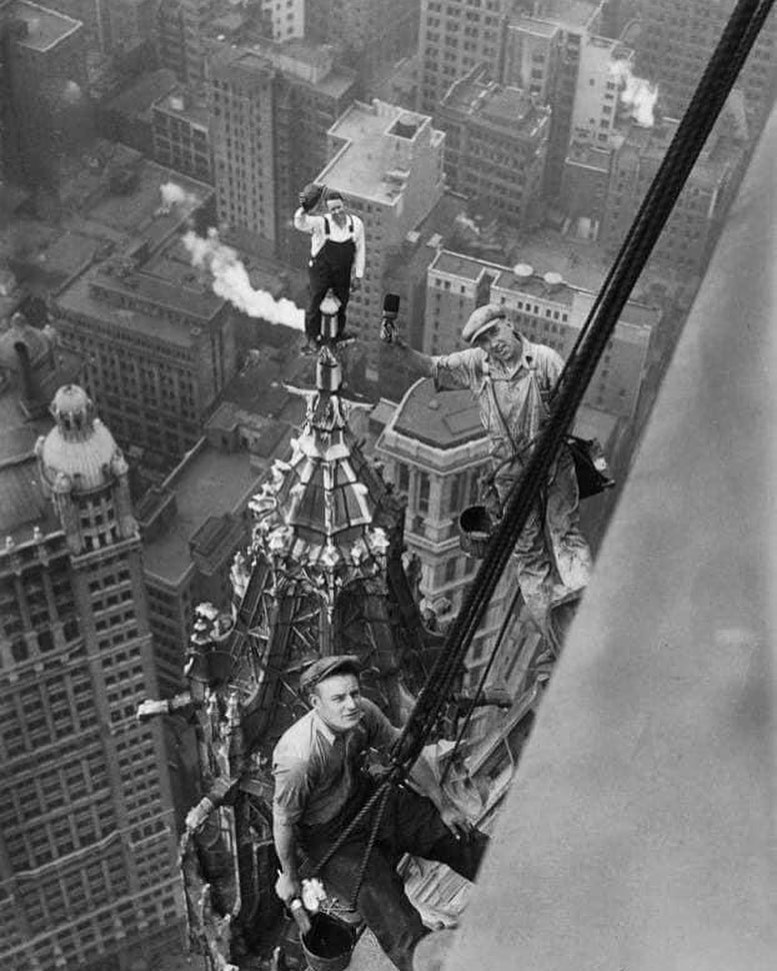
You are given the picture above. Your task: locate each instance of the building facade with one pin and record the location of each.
(548, 311)
(456, 36)
(271, 107)
(495, 146)
(88, 844)
(181, 134)
(285, 20)
(600, 78)
(697, 214)
(159, 351)
(676, 41)
(368, 34)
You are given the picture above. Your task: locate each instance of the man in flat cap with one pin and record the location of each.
(320, 787)
(512, 381)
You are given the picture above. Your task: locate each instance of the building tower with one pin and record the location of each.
(676, 42)
(271, 107)
(87, 846)
(323, 575)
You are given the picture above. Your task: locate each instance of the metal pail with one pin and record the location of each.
(475, 528)
(328, 945)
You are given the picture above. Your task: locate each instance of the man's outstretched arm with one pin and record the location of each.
(420, 362)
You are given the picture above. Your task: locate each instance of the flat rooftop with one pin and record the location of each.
(507, 107)
(568, 13)
(371, 163)
(139, 98)
(78, 299)
(307, 64)
(539, 28)
(456, 264)
(209, 484)
(181, 104)
(198, 302)
(139, 212)
(637, 314)
(45, 28)
(535, 285)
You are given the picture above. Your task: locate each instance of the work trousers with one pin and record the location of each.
(552, 556)
(329, 269)
(410, 824)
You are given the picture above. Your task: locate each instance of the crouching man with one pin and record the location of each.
(320, 788)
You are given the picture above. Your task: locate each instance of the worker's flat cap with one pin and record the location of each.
(481, 319)
(325, 667)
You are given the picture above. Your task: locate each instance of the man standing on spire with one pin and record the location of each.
(337, 255)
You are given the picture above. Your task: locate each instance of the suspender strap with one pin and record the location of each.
(326, 226)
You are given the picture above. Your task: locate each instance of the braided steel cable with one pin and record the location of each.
(713, 89)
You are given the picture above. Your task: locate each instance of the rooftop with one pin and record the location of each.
(377, 146)
(45, 28)
(198, 302)
(79, 300)
(535, 285)
(637, 314)
(307, 63)
(590, 156)
(443, 421)
(258, 390)
(508, 107)
(207, 484)
(569, 13)
(23, 505)
(540, 28)
(468, 267)
(179, 102)
(139, 98)
(138, 212)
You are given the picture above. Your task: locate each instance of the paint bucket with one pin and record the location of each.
(328, 945)
(475, 527)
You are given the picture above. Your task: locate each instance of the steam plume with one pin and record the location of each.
(230, 281)
(638, 94)
(175, 195)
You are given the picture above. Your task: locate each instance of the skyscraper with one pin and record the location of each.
(496, 142)
(676, 41)
(42, 83)
(160, 350)
(456, 36)
(271, 107)
(87, 851)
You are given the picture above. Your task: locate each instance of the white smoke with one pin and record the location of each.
(638, 94)
(230, 281)
(176, 195)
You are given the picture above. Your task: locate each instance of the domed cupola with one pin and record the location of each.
(85, 473)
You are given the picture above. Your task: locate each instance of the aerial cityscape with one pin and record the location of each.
(287, 288)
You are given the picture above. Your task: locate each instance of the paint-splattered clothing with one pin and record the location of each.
(551, 551)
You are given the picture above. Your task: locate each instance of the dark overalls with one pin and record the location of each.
(330, 268)
(410, 824)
